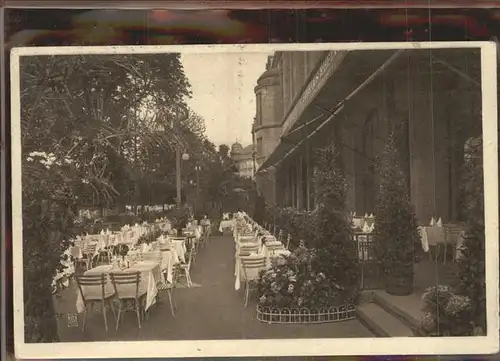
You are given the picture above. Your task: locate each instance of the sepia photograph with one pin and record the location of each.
(255, 200)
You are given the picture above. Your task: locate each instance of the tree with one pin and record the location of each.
(395, 233)
(472, 262)
(333, 238)
(85, 120)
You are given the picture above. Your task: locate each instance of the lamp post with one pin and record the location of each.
(197, 169)
(184, 157)
(180, 113)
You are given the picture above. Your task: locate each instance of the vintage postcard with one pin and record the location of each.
(255, 200)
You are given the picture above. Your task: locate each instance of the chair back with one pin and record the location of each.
(189, 257)
(123, 279)
(274, 246)
(98, 280)
(280, 235)
(78, 243)
(248, 248)
(252, 265)
(89, 249)
(452, 233)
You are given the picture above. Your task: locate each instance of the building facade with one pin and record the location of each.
(244, 159)
(430, 101)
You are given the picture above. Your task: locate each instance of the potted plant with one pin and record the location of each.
(471, 263)
(445, 313)
(395, 232)
(333, 237)
(179, 218)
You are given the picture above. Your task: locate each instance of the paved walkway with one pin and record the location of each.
(212, 310)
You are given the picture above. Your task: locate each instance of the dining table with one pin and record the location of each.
(151, 275)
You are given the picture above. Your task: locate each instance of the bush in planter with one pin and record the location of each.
(293, 283)
(471, 263)
(395, 233)
(299, 224)
(445, 313)
(333, 239)
(179, 216)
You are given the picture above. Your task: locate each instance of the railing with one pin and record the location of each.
(306, 315)
(369, 266)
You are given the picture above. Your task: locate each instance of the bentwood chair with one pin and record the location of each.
(246, 249)
(252, 265)
(129, 294)
(453, 234)
(169, 288)
(93, 290)
(185, 268)
(89, 253)
(274, 246)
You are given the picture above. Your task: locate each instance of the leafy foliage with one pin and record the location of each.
(179, 216)
(472, 263)
(88, 125)
(445, 312)
(49, 208)
(322, 271)
(299, 224)
(333, 238)
(395, 234)
(292, 281)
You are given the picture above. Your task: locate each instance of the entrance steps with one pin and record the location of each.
(390, 316)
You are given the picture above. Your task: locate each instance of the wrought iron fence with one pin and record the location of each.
(369, 266)
(306, 315)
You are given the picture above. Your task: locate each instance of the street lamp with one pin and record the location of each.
(180, 113)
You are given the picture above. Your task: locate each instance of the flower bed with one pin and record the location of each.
(306, 315)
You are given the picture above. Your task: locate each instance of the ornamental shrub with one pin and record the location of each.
(333, 238)
(49, 208)
(471, 264)
(395, 233)
(445, 312)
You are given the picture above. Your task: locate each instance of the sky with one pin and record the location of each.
(222, 86)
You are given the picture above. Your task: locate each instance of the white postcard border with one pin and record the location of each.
(290, 347)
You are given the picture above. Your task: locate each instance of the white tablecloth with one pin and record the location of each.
(226, 225)
(431, 236)
(435, 235)
(168, 260)
(150, 276)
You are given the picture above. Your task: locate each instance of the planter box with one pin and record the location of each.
(306, 316)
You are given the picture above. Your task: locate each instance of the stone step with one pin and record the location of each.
(405, 308)
(382, 323)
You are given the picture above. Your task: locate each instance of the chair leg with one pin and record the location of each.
(112, 307)
(171, 303)
(119, 315)
(137, 312)
(188, 279)
(104, 315)
(247, 291)
(84, 318)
